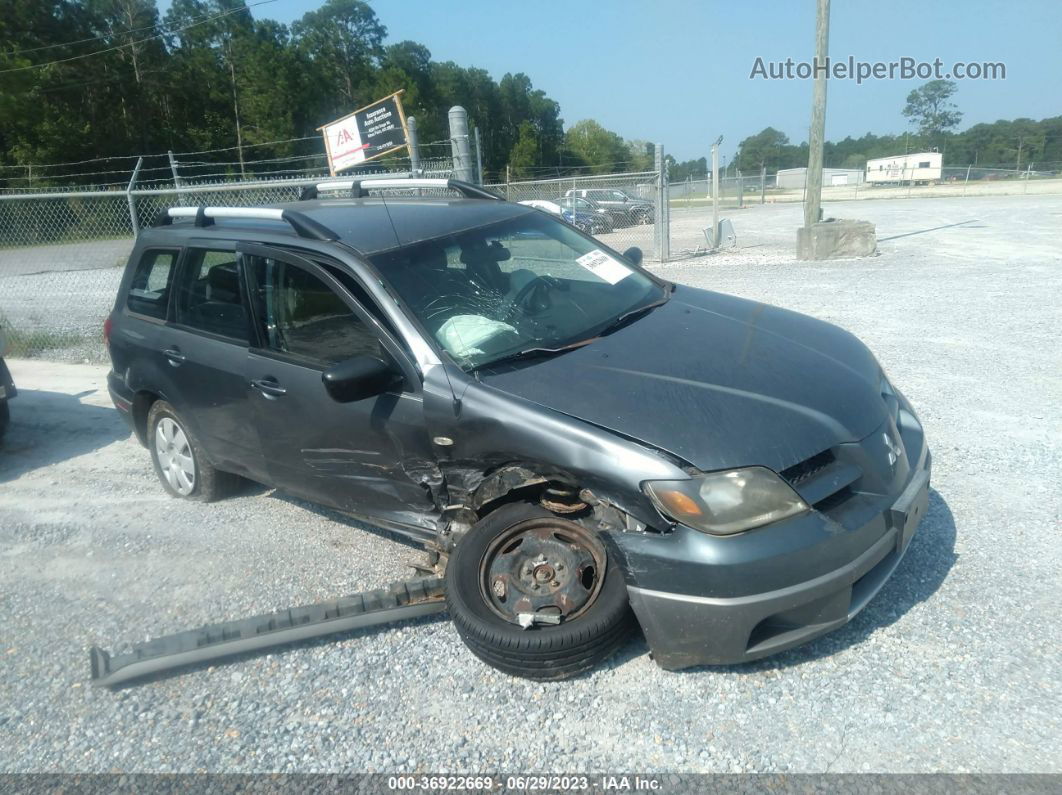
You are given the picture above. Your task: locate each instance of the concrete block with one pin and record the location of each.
(836, 239)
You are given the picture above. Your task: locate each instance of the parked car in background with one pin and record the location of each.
(607, 218)
(591, 222)
(7, 387)
(625, 208)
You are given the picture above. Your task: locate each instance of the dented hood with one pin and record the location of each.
(715, 380)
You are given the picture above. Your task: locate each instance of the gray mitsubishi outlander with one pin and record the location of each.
(578, 444)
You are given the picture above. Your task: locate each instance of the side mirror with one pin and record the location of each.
(634, 255)
(359, 378)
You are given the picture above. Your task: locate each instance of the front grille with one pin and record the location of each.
(808, 468)
(823, 481)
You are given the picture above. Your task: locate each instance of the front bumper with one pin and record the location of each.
(704, 600)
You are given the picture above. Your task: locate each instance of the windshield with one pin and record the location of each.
(526, 283)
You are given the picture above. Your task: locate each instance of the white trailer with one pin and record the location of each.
(916, 167)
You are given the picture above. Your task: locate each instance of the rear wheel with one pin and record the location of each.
(536, 596)
(179, 460)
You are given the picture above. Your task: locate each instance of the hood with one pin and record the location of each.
(716, 380)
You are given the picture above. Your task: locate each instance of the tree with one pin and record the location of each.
(602, 150)
(931, 109)
(525, 153)
(343, 40)
(770, 148)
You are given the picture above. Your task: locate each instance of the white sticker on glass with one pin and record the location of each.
(604, 267)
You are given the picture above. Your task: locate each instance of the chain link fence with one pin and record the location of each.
(621, 210)
(62, 255)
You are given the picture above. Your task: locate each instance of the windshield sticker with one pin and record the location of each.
(604, 267)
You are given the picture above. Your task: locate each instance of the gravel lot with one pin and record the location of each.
(953, 667)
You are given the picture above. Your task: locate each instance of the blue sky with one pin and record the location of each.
(678, 72)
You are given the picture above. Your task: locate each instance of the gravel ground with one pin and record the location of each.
(953, 667)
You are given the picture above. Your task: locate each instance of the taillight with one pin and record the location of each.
(107, 331)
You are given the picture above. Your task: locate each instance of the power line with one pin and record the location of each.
(140, 41)
(92, 38)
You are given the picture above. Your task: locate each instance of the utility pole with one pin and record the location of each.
(479, 158)
(818, 116)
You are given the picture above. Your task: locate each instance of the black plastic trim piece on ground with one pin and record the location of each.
(398, 602)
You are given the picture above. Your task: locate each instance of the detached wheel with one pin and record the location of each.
(536, 596)
(180, 462)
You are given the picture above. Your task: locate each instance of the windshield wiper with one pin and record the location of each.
(530, 353)
(628, 317)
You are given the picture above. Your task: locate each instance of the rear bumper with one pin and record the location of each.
(687, 628)
(122, 397)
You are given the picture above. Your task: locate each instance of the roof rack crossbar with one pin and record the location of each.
(303, 225)
(359, 188)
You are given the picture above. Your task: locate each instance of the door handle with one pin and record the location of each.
(175, 356)
(268, 387)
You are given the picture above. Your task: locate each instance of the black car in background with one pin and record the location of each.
(625, 208)
(606, 220)
(567, 434)
(7, 387)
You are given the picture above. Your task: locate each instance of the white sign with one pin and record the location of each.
(604, 267)
(367, 133)
(345, 147)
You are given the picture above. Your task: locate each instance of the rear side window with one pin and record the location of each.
(149, 293)
(210, 296)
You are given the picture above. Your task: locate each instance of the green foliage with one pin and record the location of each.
(931, 109)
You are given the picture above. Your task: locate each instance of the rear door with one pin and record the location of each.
(206, 351)
(371, 457)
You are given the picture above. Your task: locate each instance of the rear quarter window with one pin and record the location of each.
(149, 291)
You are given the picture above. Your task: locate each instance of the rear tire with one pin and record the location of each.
(180, 462)
(596, 626)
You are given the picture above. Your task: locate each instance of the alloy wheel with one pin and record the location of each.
(174, 454)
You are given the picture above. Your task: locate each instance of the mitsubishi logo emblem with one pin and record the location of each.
(895, 451)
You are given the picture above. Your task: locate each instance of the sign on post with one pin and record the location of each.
(367, 133)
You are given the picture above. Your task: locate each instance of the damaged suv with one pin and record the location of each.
(575, 441)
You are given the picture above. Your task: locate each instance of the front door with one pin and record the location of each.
(371, 457)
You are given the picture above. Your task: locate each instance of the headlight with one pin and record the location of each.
(724, 503)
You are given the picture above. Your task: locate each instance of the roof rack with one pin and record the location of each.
(303, 225)
(359, 188)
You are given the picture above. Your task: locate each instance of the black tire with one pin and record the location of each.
(208, 484)
(544, 652)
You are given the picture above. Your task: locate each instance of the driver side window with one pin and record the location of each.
(299, 315)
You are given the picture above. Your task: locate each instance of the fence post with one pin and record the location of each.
(740, 189)
(967, 182)
(459, 144)
(129, 197)
(479, 158)
(176, 178)
(508, 196)
(763, 184)
(414, 148)
(661, 239)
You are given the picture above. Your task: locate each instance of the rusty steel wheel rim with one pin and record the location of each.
(542, 566)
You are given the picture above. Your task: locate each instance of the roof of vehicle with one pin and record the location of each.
(376, 224)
